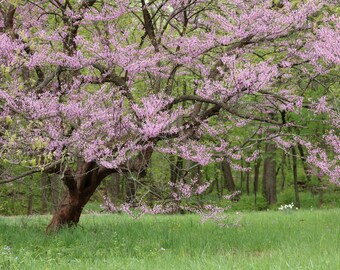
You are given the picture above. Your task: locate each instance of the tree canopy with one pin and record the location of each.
(89, 88)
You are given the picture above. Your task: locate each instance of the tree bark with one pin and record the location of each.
(283, 177)
(56, 191)
(30, 201)
(218, 189)
(176, 169)
(269, 173)
(80, 187)
(131, 190)
(44, 188)
(82, 183)
(256, 178)
(248, 179)
(304, 163)
(296, 188)
(241, 175)
(228, 176)
(173, 172)
(113, 188)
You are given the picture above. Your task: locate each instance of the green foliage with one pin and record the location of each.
(14, 198)
(265, 240)
(247, 203)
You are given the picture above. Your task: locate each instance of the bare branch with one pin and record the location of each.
(50, 168)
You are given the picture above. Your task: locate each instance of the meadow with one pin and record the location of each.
(302, 239)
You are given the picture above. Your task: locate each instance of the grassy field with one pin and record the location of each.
(301, 239)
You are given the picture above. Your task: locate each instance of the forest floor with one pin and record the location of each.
(299, 239)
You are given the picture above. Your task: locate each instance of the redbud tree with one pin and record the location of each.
(89, 88)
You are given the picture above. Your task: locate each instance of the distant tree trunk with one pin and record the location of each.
(256, 178)
(241, 175)
(321, 199)
(56, 190)
(228, 176)
(288, 162)
(173, 171)
(218, 189)
(283, 177)
(113, 188)
(248, 179)
(269, 173)
(45, 186)
(176, 169)
(131, 190)
(199, 174)
(188, 173)
(212, 186)
(30, 201)
(295, 176)
(304, 163)
(215, 178)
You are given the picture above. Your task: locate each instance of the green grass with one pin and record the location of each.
(265, 240)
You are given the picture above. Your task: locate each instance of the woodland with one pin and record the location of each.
(168, 107)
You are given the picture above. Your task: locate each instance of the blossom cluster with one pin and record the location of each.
(186, 190)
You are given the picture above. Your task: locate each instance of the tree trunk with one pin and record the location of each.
(256, 178)
(199, 177)
(218, 190)
(56, 191)
(283, 177)
(45, 185)
(304, 163)
(113, 188)
(269, 173)
(296, 189)
(131, 190)
(173, 171)
(69, 211)
(30, 201)
(215, 178)
(80, 187)
(82, 183)
(228, 176)
(188, 173)
(241, 175)
(248, 179)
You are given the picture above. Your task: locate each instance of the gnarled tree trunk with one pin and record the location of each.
(69, 210)
(82, 183)
(80, 187)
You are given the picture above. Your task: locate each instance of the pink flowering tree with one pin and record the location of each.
(89, 88)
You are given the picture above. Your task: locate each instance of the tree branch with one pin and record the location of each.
(50, 168)
(223, 106)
